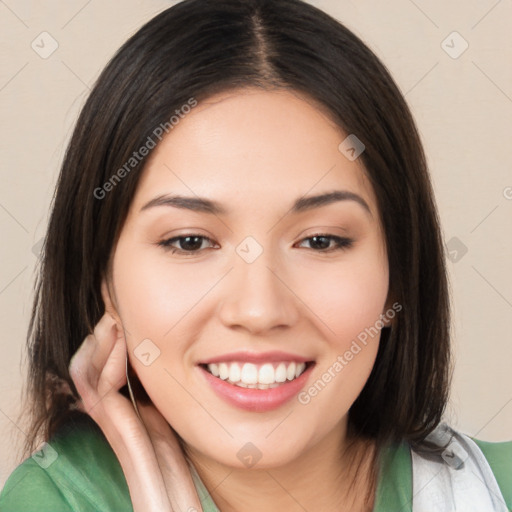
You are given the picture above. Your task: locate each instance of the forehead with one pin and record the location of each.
(250, 147)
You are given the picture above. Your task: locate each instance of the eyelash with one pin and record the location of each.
(341, 243)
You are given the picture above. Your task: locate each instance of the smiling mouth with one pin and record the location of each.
(257, 376)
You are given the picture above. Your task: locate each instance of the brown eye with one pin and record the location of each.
(193, 243)
(322, 242)
(189, 243)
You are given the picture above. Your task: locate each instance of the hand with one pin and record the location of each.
(153, 463)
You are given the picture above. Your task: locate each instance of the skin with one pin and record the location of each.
(255, 152)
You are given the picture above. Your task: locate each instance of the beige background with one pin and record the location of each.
(463, 107)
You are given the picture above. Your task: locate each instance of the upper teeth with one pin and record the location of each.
(260, 376)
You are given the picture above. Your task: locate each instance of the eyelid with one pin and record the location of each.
(341, 243)
(166, 243)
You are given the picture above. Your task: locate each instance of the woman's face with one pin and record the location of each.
(256, 296)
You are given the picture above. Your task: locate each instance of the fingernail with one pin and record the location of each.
(111, 320)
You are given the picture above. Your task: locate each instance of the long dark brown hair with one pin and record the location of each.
(193, 50)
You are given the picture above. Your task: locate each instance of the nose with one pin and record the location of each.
(257, 297)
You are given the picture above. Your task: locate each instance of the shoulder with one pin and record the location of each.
(499, 457)
(471, 471)
(76, 470)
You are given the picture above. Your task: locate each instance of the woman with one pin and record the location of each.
(244, 231)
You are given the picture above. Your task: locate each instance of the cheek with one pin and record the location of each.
(350, 345)
(153, 295)
(172, 305)
(338, 299)
(154, 301)
(348, 300)
(347, 297)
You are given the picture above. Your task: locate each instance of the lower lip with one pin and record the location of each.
(257, 400)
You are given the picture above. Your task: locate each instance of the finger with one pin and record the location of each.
(105, 336)
(85, 356)
(171, 460)
(80, 363)
(98, 367)
(105, 323)
(113, 374)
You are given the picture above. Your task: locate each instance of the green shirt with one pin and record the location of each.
(78, 471)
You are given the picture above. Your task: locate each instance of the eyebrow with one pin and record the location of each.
(302, 204)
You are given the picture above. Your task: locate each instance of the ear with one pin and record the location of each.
(110, 306)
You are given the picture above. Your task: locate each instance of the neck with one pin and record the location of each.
(321, 479)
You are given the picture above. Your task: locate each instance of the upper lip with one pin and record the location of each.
(256, 357)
